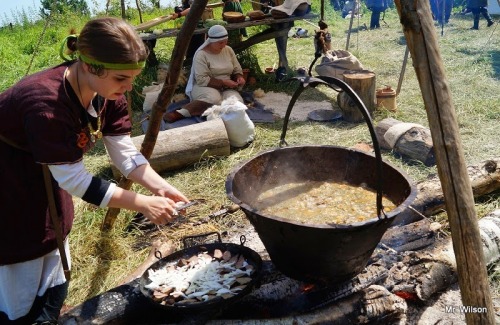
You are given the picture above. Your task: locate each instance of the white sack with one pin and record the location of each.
(151, 94)
(240, 129)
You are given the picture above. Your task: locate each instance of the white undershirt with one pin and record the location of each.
(75, 179)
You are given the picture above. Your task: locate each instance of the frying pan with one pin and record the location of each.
(216, 304)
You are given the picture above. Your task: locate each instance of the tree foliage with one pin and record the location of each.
(62, 6)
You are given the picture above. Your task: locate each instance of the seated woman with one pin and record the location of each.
(215, 75)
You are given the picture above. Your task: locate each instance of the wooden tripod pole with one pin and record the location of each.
(403, 70)
(165, 96)
(350, 24)
(420, 32)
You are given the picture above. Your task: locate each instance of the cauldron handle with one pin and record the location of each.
(329, 82)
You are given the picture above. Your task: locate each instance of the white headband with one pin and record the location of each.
(217, 33)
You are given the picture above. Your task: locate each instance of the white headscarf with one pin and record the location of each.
(216, 33)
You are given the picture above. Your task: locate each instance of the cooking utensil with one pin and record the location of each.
(322, 253)
(216, 304)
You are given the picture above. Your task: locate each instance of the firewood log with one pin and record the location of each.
(411, 141)
(374, 305)
(484, 177)
(421, 274)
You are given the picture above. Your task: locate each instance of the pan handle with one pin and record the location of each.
(331, 82)
(195, 238)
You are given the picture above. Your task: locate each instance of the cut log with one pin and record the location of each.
(363, 83)
(411, 141)
(184, 146)
(484, 178)
(411, 237)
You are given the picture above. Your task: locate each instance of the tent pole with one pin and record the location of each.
(420, 33)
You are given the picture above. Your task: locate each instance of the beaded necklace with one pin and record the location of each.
(94, 133)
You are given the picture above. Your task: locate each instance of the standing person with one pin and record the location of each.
(441, 10)
(478, 7)
(52, 118)
(215, 75)
(376, 7)
(196, 39)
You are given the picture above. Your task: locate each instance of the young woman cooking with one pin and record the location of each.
(52, 118)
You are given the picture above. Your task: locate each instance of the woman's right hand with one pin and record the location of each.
(159, 210)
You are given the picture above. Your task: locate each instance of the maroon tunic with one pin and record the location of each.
(42, 113)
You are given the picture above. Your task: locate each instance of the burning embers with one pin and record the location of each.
(200, 278)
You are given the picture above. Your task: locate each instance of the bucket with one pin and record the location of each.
(386, 97)
(319, 253)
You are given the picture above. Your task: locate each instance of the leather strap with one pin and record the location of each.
(52, 209)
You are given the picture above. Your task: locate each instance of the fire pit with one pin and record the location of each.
(326, 253)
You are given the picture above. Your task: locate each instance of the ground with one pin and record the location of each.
(278, 104)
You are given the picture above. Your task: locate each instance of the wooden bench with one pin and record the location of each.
(278, 29)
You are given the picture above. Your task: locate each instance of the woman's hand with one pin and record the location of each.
(159, 210)
(228, 83)
(172, 193)
(240, 80)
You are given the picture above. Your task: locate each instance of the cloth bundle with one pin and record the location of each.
(334, 63)
(240, 129)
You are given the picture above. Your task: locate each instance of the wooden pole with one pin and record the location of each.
(403, 69)
(322, 13)
(139, 10)
(165, 96)
(350, 25)
(420, 32)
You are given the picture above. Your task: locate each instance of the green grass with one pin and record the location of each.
(471, 60)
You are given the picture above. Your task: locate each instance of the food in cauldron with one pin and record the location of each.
(200, 278)
(320, 202)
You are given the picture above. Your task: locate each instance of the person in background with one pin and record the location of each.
(441, 10)
(351, 7)
(479, 7)
(235, 6)
(52, 118)
(376, 7)
(215, 75)
(196, 39)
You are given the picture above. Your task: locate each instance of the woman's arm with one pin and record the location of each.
(133, 165)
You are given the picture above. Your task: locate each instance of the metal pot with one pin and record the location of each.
(326, 253)
(214, 305)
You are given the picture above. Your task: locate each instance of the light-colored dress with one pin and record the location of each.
(219, 66)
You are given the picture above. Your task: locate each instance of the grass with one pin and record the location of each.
(471, 60)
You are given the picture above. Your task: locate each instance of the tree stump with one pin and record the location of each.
(363, 84)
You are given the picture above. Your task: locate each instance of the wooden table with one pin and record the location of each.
(278, 29)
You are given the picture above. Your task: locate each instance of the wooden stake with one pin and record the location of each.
(420, 33)
(165, 96)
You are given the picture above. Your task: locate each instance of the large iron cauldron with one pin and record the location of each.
(325, 253)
